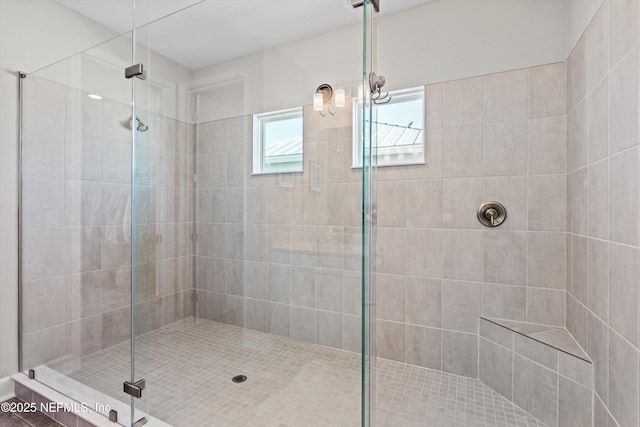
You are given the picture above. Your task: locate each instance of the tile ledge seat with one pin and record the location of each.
(552, 336)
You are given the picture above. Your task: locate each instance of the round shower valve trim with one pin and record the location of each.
(492, 214)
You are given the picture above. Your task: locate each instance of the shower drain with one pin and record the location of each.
(239, 379)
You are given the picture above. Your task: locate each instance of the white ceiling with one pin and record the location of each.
(199, 33)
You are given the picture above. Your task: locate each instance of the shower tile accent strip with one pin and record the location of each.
(558, 338)
(553, 385)
(289, 383)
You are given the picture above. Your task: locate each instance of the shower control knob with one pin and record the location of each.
(491, 214)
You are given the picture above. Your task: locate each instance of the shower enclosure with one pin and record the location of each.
(303, 213)
(160, 252)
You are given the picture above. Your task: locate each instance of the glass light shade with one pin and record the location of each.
(318, 101)
(340, 98)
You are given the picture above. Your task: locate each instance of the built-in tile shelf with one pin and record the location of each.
(558, 338)
(539, 368)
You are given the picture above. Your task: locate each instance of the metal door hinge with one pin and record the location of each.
(113, 416)
(134, 389)
(136, 70)
(142, 421)
(32, 374)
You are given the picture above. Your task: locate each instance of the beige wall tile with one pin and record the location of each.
(530, 380)
(598, 278)
(390, 297)
(461, 305)
(623, 197)
(574, 404)
(391, 203)
(577, 74)
(423, 203)
(504, 148)
(460, 353)
(462, 102)
(598, 350)
(303, 324)
(462, 151)
(546, 201)
(623, 95)
(505, 96)
(623, 291)
(577, 136)
(623, 380)
(496, 367)
(424, 346)
(504, 257)
(624, 28)
(424, 252)
(599, 121)
(424, 302)
(390, 340)
(461, 200)
(547, 145)
(547, 90)
(598, 35)
(460, 251)
(546, 260)
(546, 306)
(433, 106)
(504, 301)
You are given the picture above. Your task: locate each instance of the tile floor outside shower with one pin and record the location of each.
(188, 367)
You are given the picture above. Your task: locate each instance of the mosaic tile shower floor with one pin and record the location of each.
(188, 367)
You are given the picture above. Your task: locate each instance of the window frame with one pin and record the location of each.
(260, 122)
(397, 96)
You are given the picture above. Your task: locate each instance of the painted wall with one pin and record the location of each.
(443, 40)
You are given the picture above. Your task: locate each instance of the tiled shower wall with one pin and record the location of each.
(498, 137)
(602, 206)
(76, 263)
(281, 253)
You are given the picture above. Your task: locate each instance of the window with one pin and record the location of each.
(277, 141)
(397, 131)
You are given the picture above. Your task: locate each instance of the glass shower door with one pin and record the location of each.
(368, 181)
(76, 206)
(144, 313)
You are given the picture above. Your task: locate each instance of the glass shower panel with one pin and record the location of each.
(369, 217)
(141, 239)
(255, 275)
(75, 264)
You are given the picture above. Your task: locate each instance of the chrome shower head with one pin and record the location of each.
(141, 126)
